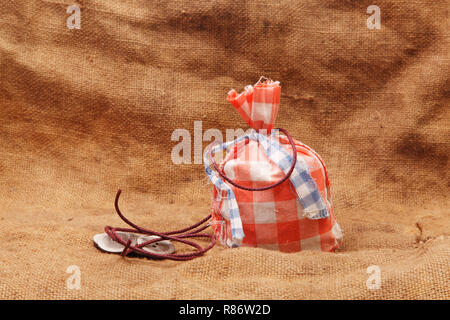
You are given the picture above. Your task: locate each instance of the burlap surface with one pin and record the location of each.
(86, 111)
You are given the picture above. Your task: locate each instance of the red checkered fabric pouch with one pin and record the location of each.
(270, 191)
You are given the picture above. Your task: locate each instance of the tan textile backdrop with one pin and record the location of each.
(86, 111)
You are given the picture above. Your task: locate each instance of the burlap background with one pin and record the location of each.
(84, 112)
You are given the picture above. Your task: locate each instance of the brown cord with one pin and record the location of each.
(294, 161)
(177, 235)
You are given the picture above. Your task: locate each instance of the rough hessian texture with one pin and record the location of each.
(84, 112)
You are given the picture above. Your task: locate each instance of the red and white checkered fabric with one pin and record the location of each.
(274, 218)
(258, 105)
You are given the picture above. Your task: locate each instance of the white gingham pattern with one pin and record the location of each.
(258, 105)
(305, 187)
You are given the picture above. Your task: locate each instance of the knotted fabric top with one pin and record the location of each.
(258, 105)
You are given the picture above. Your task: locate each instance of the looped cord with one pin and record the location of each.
(178, 236)
(286, 176)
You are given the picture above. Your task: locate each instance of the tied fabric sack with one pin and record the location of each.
(269, 191)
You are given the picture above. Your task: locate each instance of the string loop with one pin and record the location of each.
(177, 236)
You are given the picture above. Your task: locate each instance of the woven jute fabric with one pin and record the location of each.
(86, 111)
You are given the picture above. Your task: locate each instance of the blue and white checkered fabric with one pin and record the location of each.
(305, 186)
